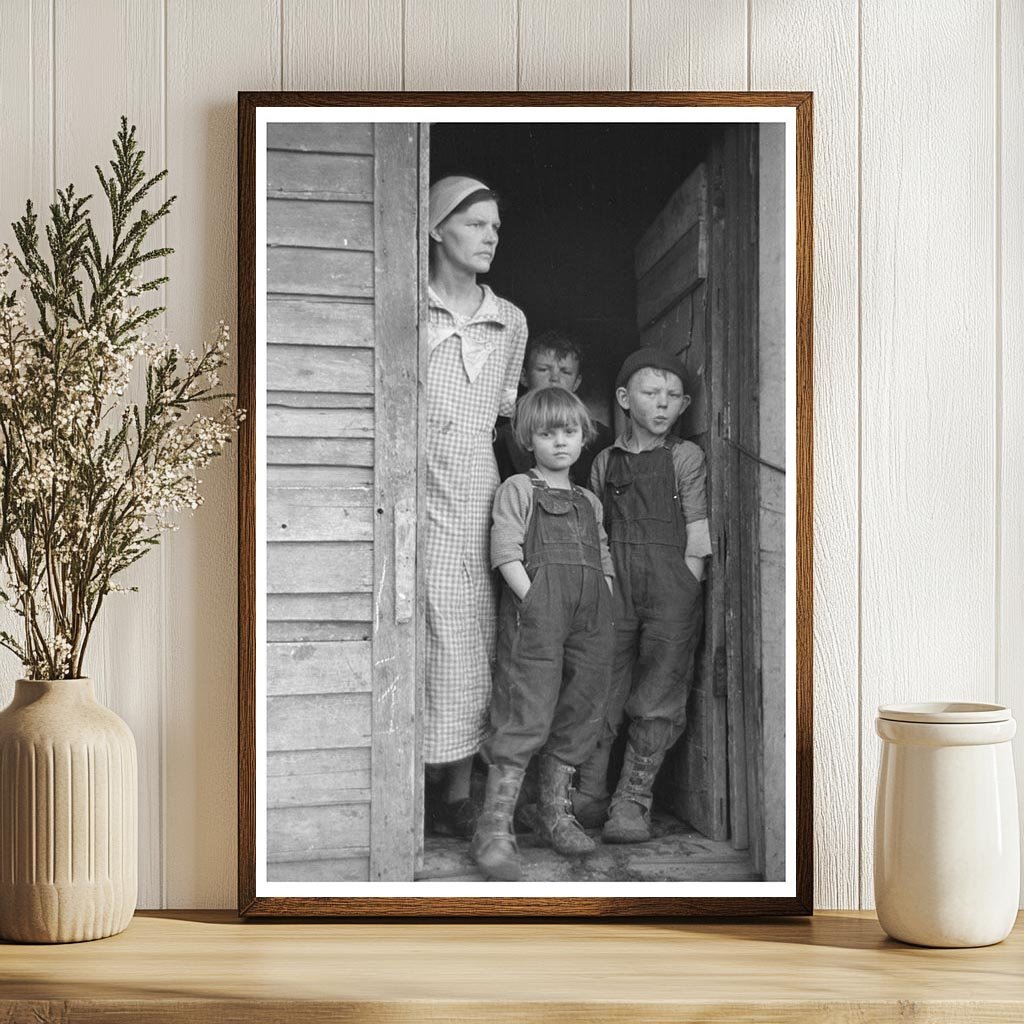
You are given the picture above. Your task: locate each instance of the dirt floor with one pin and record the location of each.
(676, 853)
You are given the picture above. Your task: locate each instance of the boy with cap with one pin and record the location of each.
(653, 489)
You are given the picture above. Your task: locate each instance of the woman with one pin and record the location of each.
(476, 345)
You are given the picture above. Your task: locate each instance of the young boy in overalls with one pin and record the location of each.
(554, 634)
(653, 489)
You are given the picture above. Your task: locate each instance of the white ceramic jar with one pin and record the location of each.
(947, 847)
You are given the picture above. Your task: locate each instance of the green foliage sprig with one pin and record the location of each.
(89, 478)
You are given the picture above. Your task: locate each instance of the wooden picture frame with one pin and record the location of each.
(332, 288)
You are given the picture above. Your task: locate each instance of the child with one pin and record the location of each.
(653, 489)
(554, 634)
(552, 360)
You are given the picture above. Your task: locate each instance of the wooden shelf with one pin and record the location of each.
(210, 967)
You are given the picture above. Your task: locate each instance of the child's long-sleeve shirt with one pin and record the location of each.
(513, 504)
(691, 485)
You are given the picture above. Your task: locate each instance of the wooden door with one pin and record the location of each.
(672, 268)
(343, 315)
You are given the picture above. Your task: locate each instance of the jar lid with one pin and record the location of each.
(945, 713)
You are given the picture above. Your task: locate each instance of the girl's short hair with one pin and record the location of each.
(547, 408)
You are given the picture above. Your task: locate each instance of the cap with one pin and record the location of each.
(656, 358)
(447, 193)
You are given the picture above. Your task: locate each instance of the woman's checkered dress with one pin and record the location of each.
(472, 375)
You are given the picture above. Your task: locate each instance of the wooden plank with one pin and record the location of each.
(320, 225)
(828, 64)
(316, 497)
(319, 568)
(700, 44)
(574, 44)
(317, 400)
(313, 791)
(682, 212)
(297, 631)
(676, 274)
(319, 322)
(318, 668)
(769, 541)
(326, 176)
(211, 52)
(318, 451)
(349, 137)
(293, 271)
(129, 668)
(208, 967)
(290, 522)
(352, 764)
(308, 615)
(348, 869)
(395, 670)
(300, 833)
(468, 45)
(342, 44)
(315, 721)
(307, 423)
(937, 478)
(312, 368)
(1009, 684)
(319, 476)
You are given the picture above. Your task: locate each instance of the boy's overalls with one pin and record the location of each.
(658, 612)
(551, 677)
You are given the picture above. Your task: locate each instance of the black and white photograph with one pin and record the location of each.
(523, 490)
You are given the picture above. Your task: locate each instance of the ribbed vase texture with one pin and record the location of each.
(68, 815)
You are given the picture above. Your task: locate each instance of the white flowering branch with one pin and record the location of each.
(89, 479)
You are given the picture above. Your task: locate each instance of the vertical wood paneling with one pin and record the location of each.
(26, 169)
(213, 51)
(342, 44)
(125, 654)
(700, 44)
(573, 44)
(1010, 216)
(777, 62)
(469, 44)
(928, 515)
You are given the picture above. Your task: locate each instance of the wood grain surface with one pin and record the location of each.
(208, 966)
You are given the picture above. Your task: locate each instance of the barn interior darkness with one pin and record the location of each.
(575, 200)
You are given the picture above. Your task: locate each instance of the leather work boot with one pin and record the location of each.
(629, 818)
(556, 824)
(494, 842)
(590, 797)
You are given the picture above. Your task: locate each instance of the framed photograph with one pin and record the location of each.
(525, 504)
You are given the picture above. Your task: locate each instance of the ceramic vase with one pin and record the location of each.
(947, 847)
(68, 815)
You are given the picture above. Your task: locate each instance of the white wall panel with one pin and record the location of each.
(573, 44)
(460, 44)
(700, 44)
(342, 44)
(26, 169)
(928, 516)
(213, 51)
(919, 377)
(1010, 374)
(831, 73)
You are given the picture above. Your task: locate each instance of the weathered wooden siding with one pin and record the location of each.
(320, 455)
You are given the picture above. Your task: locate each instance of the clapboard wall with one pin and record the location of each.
(320, 431)
(919, 302)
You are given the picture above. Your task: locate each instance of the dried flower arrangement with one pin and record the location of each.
(88, 477)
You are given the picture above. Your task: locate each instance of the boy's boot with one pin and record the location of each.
(629, 815)
(590, 797)
(556, 825)
(494, 842)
